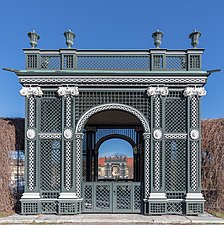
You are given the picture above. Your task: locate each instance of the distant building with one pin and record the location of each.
(17, 170)
(115, 167)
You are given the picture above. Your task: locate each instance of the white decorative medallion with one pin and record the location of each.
(194, 134)
(157, 134)
(68, 133)
(31, 134)
(62, 91)
(28, 91)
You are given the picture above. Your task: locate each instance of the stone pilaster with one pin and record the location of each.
(68, 155)
(194, 198)
(31, 172)
(157, 196)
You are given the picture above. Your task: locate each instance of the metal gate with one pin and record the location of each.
(112, 197)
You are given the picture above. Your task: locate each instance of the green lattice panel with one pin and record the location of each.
(50, 165)
(123, 197)
(29, 207)
(69, 207)
(176, 115)
(48, 207)
(175, 172)
(50, 115)
(87, 100)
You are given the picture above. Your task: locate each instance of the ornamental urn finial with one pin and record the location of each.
(157, 36)
(194, 36)
(69, 36)
(33, 36)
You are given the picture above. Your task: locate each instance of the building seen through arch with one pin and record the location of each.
(79, 100)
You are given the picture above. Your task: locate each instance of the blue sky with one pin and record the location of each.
(114, 147)
(110, 24)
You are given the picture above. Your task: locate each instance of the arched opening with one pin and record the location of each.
(115, 160)
(107, 183)
(114, 129)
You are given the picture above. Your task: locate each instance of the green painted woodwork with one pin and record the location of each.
(163, 124)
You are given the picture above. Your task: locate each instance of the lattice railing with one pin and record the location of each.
(113, 60)
(50, 62)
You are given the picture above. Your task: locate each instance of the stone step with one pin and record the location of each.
(111, 219)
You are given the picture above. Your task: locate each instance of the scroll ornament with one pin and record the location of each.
(153, 91)
(62, 91)
(29, 91)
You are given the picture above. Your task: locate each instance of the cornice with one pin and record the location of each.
(109, 73)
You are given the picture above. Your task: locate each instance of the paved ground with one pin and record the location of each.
(111, 219)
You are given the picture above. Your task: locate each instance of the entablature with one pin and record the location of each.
(85, 79)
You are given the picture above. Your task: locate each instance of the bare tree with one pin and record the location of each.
(213, 163)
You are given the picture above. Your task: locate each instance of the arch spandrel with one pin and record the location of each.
(84, 118)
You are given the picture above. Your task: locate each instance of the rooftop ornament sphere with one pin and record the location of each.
(69, 36)
(33, 36)
(157, 36)
(194, 36)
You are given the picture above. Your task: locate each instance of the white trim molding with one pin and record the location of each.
(111, 106)
(67, 195)
(31, 195)
(194, 196)
(157, 196)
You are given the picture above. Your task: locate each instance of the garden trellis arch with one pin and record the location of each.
(157, 90)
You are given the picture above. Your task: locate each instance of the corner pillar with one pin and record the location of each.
(194, 199)
(31, 196)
